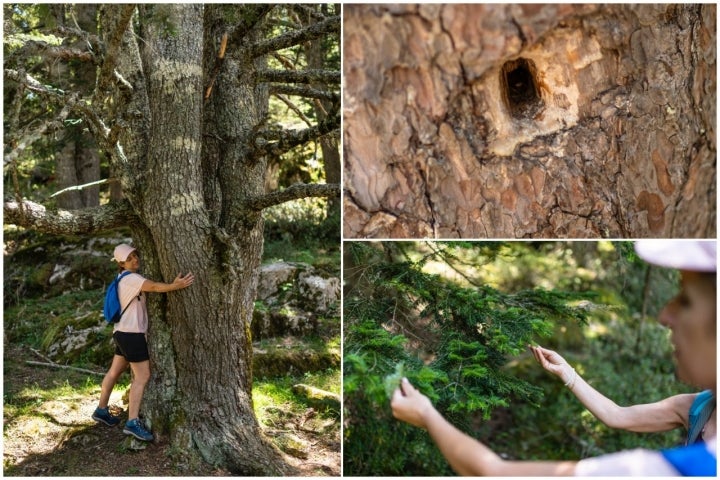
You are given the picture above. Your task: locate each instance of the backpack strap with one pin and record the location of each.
(120, 277)
(692, 461)
(700, 411)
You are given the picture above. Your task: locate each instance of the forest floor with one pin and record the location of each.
(48, 431)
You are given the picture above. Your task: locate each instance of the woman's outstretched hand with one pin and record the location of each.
(183, 281)
(409, 405)
(553, 362)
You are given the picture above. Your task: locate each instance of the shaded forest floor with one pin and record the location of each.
(48, 431)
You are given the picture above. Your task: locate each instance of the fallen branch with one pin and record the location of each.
(66, 367)
(317, 396)
(41, 355)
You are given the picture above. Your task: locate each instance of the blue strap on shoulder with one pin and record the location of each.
(700, 411)
(120, 277)
(692, 461)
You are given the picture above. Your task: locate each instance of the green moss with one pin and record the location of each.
(274, 400)
(277, 357)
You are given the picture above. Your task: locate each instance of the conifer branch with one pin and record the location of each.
(293, 192)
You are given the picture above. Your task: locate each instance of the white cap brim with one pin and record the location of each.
(693, 255)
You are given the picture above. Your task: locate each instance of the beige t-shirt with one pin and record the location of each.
(135, 318)
(636, 462)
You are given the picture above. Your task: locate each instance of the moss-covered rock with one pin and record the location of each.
(277, 357)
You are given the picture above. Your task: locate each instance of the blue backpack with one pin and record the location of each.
(112, 310)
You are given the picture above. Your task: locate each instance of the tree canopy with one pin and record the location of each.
(69, 90)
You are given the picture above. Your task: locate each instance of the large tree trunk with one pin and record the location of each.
(530, 121)
(202, 350)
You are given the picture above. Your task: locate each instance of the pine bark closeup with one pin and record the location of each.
(515, 121)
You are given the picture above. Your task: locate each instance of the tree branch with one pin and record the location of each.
(252, 15)
(300, 76)
(25, 139)
(291, 139)
(293, 192)
(32, 84)
(306, 10)
(113, 47)
(68, 222)
(81, 187)
(296, 37)
(307, 92)
(93, 41)
(105, 137)
(294, 108)
(52, 51)
(102, 133)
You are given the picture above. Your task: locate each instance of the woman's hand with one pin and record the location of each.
(183, 281)
(410, 406)
(553, 363)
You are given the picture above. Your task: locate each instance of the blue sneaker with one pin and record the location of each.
(136, 429)
(103, 415)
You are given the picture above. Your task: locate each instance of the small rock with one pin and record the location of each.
(133, 444)
(293, 445)
(59, 273)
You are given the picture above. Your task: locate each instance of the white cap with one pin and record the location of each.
(693, 255)
(122, 251)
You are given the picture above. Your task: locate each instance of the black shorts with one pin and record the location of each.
(132, 346)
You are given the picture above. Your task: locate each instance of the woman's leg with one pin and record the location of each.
(141, 376)
(118, 366)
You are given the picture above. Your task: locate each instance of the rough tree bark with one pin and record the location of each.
(192, 162)
(519, 121)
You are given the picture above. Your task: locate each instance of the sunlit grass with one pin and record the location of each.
(29, 401)
(273, 397)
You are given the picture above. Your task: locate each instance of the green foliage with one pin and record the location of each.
(458, 317)
(292, 220)
(623, 366)
(392, 381)
(452, 341)
(302, 231)
(27, 322)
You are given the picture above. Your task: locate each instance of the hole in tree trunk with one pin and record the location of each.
(518, 79)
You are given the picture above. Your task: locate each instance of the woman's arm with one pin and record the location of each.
(666, 414)
(466, 455)
(177, 284)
